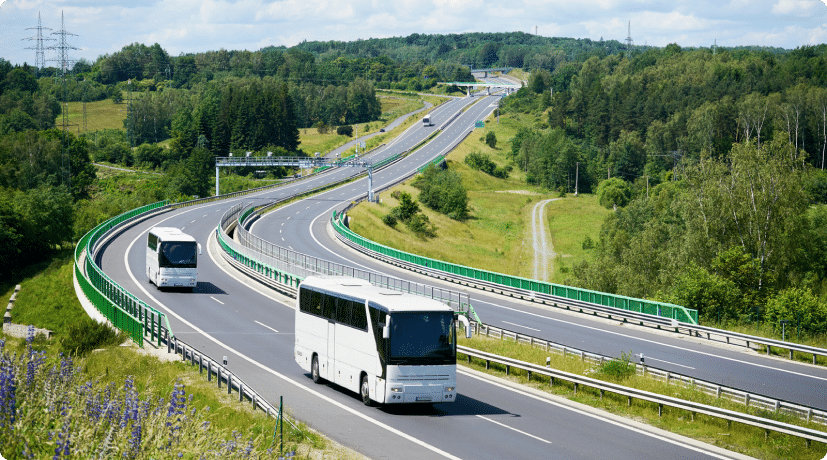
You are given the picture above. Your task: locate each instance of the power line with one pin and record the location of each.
(64, 61)
(39, 60)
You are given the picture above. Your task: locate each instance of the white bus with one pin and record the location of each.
(427, 120)
(387, 346)
(171, 258)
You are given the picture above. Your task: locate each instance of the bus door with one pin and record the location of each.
(331, 351)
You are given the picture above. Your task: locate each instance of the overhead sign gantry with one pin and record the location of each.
(295, 162)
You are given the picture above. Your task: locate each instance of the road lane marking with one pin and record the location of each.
(268, 327)
(597, 416)
(667, 362)
(301, 386)
(520, 325)
(222, 303)
(514, 429)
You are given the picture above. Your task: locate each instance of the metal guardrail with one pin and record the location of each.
(720, 391)
(641, 317)
(284, 268)
(524, 287)
(222, 375)
(808, 434)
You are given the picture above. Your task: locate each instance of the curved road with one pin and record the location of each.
(229, 315)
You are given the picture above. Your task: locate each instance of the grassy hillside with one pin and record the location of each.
(497, 236)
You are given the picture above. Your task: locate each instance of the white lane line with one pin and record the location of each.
(192, 222)
(222, 303)
(520, 325)
(667, 362)
(268, 327)
(592, 415)
(514, 429)
(764, 366)
(267, 369)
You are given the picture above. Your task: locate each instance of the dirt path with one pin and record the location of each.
(543, 249)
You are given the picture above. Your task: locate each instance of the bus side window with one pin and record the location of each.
(329, 307)
(343, 308)
(316, 299)
(359, 318)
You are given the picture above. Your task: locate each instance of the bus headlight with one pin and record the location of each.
(449, 389)
(397, 389)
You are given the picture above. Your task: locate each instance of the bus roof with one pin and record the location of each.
(171, 234)
(393, 301)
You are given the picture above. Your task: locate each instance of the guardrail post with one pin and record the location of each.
(229, 383)
(240, 393)
(575, 388)
(660, 410)
(200, 364)
(746, 400)
(209, 371)
(629, 401)
(814, 359)
(768, 349)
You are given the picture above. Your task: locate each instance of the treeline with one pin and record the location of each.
(714, 164)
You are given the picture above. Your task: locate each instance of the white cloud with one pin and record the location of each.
(200, 25)
(801, 8)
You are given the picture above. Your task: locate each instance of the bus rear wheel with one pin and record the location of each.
(365, 390)
(314, 370)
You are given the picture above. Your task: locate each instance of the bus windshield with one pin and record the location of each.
(178, 254)
(422, 338)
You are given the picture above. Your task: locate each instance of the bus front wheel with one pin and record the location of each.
(365, 390)
(314, 370)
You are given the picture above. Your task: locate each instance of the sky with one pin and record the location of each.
(186, 26)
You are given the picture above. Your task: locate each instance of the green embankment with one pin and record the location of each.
(497, 236)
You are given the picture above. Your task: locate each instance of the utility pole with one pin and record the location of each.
(64, 63)
(647, 187)
(39, 61)
(129, 114)
(576, 177)
(629, 42)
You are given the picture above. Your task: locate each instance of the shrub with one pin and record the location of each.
(443, 192)
(618, 368)
(345, 130)
(87, 335)
(389, 220)
(800, 307)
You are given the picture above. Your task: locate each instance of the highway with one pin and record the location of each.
(229, 315)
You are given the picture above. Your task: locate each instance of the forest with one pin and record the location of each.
(712, 158)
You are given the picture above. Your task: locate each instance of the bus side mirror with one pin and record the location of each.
(386, 329)
(462, 319)
(199, 249)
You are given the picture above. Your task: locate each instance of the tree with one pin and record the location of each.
(491, 139)
(614, 192)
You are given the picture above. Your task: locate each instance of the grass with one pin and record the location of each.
(570, 220)
(103, 114)
(47, 299)
(497, 236)
(737, 437)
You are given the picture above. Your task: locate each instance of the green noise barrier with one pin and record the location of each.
(662, 309)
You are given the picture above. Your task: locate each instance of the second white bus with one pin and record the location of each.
(427, 120)
(387, 346)
(171, 258)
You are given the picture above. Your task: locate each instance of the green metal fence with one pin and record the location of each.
(662, 309)
(121, 308)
